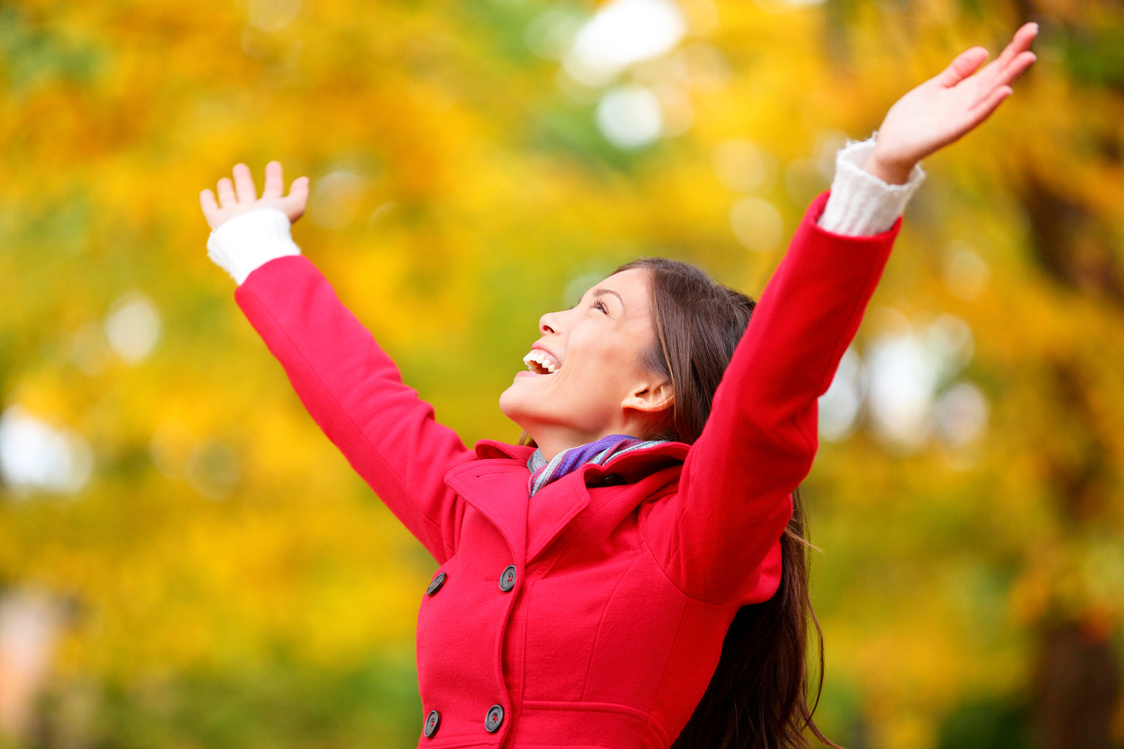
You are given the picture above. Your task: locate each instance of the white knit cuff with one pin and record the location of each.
(862, 205)
(248, 241)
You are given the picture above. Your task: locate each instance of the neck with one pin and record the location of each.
(552, 443)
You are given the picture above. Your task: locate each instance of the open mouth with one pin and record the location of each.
(540, 362)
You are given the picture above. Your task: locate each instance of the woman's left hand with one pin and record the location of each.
(944, 108)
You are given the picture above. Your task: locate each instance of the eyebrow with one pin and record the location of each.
(599, 291)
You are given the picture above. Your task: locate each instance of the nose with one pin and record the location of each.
(548, 323)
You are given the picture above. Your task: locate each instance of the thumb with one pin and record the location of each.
(297, 198)
(963, 66)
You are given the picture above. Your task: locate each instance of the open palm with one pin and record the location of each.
(240, 196)
(944, 108)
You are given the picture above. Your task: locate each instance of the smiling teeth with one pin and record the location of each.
(543, 359)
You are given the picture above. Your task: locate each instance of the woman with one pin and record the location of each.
(589, 580)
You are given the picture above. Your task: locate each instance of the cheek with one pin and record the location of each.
(595, 367)
(608, 374)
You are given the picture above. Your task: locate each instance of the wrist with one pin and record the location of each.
(890, 172)
(249, 240)
(862, 203)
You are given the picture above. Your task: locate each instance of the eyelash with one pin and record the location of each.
(601, 306)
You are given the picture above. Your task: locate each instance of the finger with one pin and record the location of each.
(274, 184)
(999, 71)
(988, 85)
(1020, 42)
(207, 202)
(1025, 36)
(963, 66)
(299, 189)
(297, 199)
(226, 193)
(244, 184)
(982, 111)
(976, 116)
(1018, 66)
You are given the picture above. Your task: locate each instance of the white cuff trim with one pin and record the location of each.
(248, 241)
(861, 204)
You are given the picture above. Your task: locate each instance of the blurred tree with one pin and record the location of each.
(1036, 194)
(231, 583)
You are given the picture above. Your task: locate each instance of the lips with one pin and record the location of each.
(541, 361)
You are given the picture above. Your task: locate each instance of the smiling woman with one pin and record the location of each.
(588, 376)
(635, 576)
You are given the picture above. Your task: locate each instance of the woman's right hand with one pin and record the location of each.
(240, 196)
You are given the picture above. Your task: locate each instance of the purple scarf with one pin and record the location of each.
(567, 461)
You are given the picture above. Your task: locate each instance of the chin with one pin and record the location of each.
(519, 407)
(509, 404)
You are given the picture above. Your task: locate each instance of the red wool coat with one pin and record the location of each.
(594, 614)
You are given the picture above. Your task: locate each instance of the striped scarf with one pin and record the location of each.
(567, 461)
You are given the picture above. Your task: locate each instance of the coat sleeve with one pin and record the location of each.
(717, 536)
(354, 392)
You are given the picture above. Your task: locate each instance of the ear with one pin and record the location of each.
(650, 399)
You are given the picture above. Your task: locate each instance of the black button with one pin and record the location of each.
(494, 719)
(612, 479)
(432, 721)
(435, 586)
(507, 579)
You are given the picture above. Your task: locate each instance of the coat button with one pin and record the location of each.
(432, 721)
(612, 479)
(507, 580)
(435, 586)
(494, 719)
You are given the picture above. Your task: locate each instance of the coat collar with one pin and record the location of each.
(490, 449)
(496, 485)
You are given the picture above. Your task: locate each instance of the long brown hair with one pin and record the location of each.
(758, 696)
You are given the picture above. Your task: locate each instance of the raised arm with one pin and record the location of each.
(345, 380)
(718, 537)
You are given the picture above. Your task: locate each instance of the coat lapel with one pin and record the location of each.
(545, 516)
(498, 490)
(496, 485)
(552, 509)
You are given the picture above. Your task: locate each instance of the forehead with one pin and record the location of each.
(630, 284)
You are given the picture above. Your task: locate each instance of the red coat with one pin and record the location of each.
(594, 614)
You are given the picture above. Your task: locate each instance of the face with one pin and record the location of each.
(585, 371)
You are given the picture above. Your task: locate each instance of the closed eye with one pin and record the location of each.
(601, 306)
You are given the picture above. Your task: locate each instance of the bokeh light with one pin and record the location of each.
(186, 561)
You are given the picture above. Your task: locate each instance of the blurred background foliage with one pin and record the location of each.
(186, 562)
